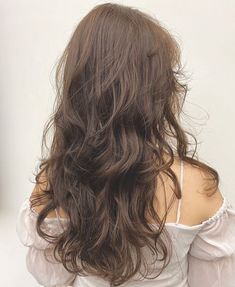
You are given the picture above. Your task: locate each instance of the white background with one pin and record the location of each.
(33, 36)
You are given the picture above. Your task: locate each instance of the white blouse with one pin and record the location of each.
(204, 254)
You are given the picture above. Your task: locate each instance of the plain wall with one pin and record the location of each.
(33, 36)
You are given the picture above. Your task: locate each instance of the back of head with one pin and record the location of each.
(119, 96)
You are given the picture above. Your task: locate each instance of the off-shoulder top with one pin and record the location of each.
(203, 255)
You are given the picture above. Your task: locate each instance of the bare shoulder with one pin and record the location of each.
(39, 190)
(203, 203)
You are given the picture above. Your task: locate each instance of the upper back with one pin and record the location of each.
(195, 206)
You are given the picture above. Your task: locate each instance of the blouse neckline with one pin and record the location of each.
(215, 217)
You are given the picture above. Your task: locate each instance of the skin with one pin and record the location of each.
(52, 214)
(196, 206)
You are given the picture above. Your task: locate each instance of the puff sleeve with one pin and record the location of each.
(47, 273)
(211, 256)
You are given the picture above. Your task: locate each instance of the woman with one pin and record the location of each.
(119, 199)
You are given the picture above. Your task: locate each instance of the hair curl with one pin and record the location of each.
(120, 92)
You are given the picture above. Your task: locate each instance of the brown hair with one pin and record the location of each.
(120, 92)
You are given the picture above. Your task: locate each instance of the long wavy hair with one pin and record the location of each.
(120, 89)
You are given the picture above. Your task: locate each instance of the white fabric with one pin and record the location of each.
(203, 255)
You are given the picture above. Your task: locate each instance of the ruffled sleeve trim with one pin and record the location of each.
(225, 207)
(211, 257)
(216, 237)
